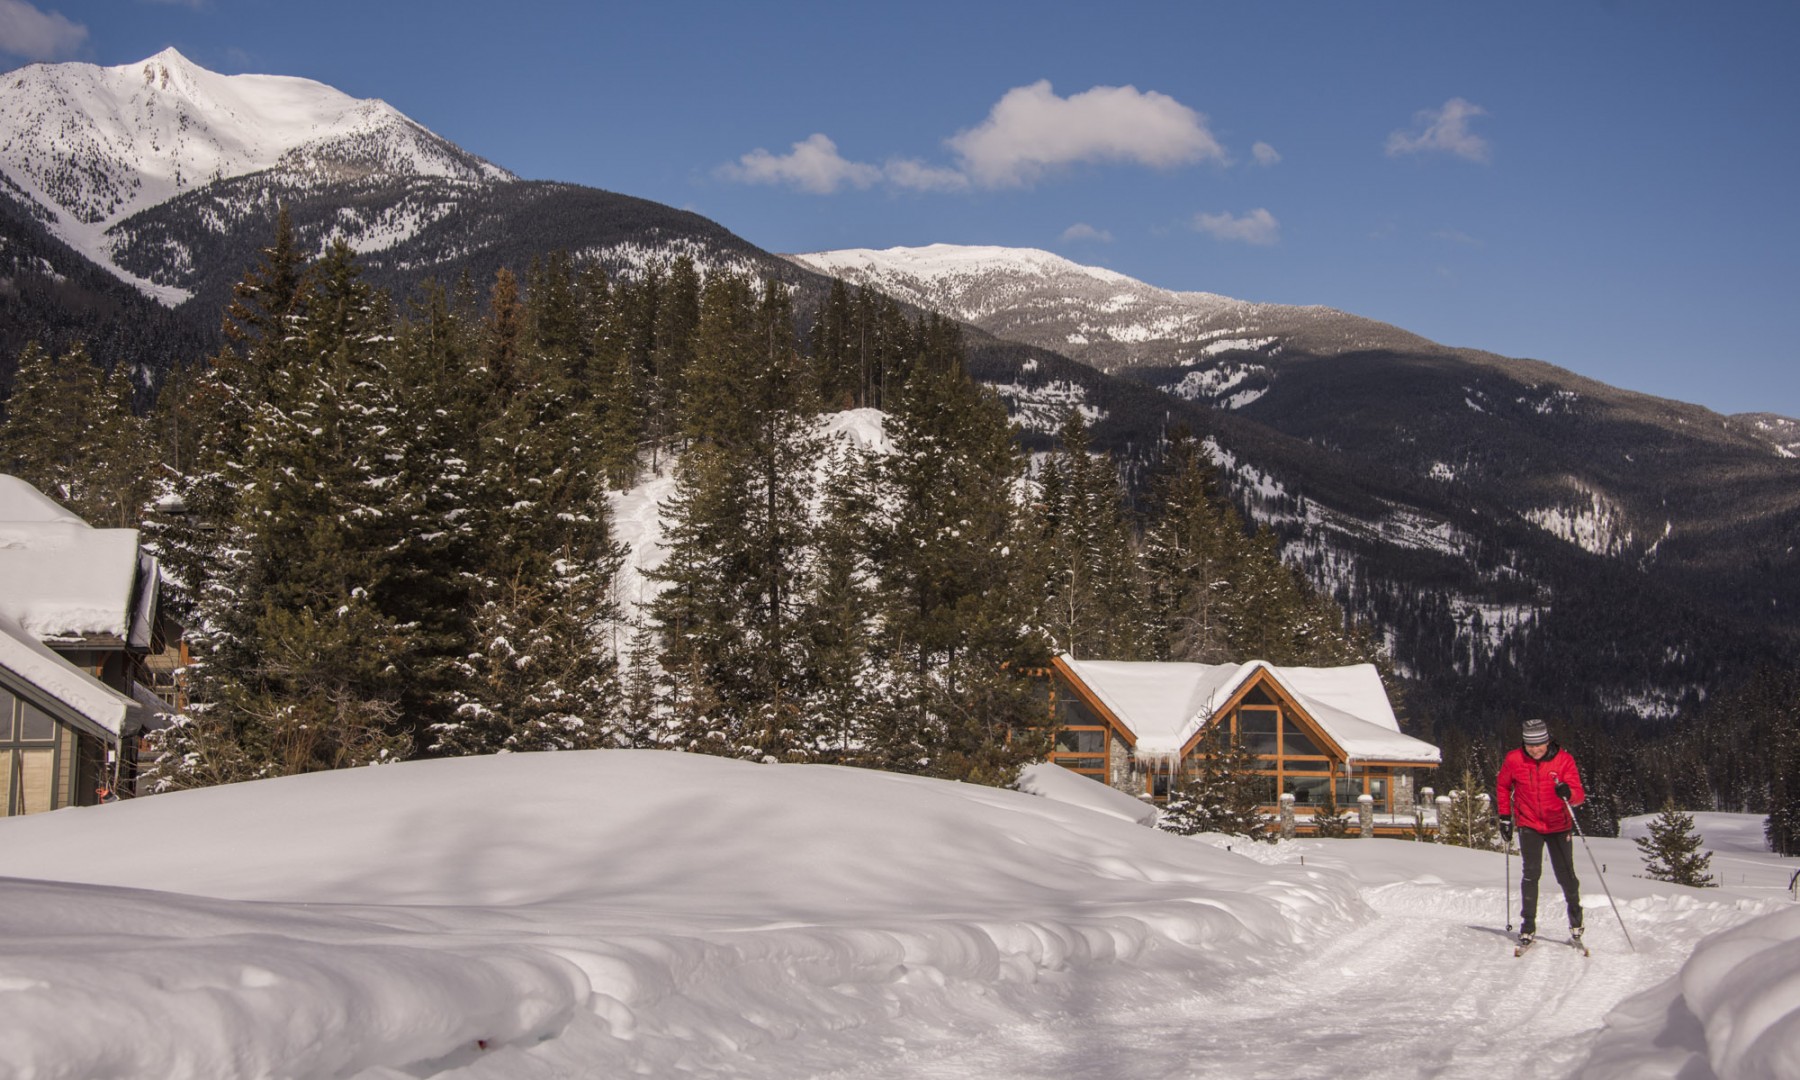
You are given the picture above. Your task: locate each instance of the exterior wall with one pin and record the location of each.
(1123, 776)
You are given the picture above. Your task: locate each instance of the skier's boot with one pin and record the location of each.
(1575, 934)
(1526, 937)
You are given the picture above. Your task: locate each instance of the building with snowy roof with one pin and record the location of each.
(79, 622)
(1321, 735)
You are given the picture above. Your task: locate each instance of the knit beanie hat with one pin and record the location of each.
(1536, 731)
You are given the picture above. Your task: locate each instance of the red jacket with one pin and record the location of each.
(1527, 789)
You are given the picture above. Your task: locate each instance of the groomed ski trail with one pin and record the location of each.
(1377, 1001)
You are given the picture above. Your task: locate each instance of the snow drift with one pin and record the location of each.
(647, 910)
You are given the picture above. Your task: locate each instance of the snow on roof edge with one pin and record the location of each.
(49, 673)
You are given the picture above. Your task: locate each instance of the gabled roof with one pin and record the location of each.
(1164, 705)
(62, 580)
(27, 661)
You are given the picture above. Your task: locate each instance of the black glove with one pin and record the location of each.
(1506, 828)
(1562, 791)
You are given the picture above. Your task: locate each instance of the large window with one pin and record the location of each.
(37, 759)
(1082, 737)
(1290, 758)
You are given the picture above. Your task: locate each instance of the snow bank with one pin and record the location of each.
(1733, 1013)
(597, 913)
(1063, 785)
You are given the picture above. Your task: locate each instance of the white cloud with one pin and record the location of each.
(1081, 230)
(812, 165)
(1455, 237)
(38, 35)
(917, 176)
(1258, 227)
(1030, 130)
(1265, 154)
(1444, 130)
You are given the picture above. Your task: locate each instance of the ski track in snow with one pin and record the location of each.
(1377, 1001)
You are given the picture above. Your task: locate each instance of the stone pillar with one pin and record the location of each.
(1443, 813)
(1365, 815)
(1287, 817)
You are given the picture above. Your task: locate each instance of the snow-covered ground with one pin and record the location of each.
(618, 913)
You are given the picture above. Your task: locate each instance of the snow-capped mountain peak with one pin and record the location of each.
(86, 147)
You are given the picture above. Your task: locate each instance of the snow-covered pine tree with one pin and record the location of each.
(1469, 821)
(621, 393)
(954, 585)
(541, 670)
(1188, 554)
(1217, 594)
(1672, 850)
(739, 530)
(834, 352)
(120, 469)
(439, 555)
(839, 621)
(45, 438)
(1329, 820)
(669, 306)
(1218, 791)
(1093, 598)
(302, 663)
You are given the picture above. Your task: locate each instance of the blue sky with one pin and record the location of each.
(1608, 186)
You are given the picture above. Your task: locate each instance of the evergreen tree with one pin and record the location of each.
(540, 671)
(739, 531)
(1672, 850)
(1329, 821)
(841, 603)
(836, 360)
(1219, 791)
(1189, 555)
(438, 558)
(952, 637)
(73, 433)
(672, 312)
(556, 327)
(1092, 593)
(1469, 820)
(621, 395)
(1218, 595)
(302, 663)
(119, 461)
(542, 676)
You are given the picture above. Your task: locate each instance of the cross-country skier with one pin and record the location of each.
(1538, 782)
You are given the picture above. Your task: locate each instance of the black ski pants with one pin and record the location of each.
(1562, 860)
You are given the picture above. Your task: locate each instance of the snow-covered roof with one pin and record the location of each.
(62, 580)
(19, 501)
(1166, 704)
(35, 663)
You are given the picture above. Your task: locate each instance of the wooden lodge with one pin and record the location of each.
(80, 637)
(1324, 736)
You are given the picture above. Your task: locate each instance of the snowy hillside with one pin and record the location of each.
(1104, 318)
(87, 147)
(618, 913)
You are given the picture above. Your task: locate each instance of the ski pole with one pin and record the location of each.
(1506, 845)
(1505, 841)
(1598, 873)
